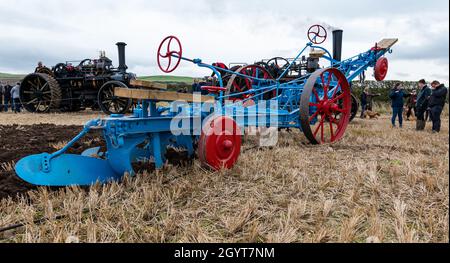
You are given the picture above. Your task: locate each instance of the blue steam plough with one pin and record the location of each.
(317, 101)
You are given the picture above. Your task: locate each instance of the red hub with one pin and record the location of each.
(325, 106)
(220, 143)
(381, 68)
(169, 50)
(317, 34)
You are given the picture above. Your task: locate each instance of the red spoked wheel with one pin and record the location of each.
(381, 68)
(220, 143)
(317, 34)
(325, 106)
(171, 49)
(238, 84)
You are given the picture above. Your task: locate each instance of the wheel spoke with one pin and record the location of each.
(337, 98)
(32, 101)
(32, 84)
(45, 85)
(331, 128)
(313, 116)
(319, 127)
(335, 89)
(316, 94)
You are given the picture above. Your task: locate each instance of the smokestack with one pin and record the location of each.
(337, 44)
(122, 66)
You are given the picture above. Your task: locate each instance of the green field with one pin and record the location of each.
(173, 79)
(10, 76)
(160, 78)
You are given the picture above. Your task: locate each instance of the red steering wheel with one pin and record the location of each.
(173, 50)
(317, 34)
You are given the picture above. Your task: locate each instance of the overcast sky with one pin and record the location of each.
(229, 31)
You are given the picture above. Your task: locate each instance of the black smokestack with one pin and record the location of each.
(337, 44)
(122, 66)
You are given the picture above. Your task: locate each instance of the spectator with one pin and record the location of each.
(7, 97)
(15, 94)
(397, 96)
(411, 104)
(422, 104)
(436, 104)
(367, 101)
(364, 102)
(39, 66)
(2, 92)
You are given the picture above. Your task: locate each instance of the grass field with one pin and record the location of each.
(175, 79)
(378, 184)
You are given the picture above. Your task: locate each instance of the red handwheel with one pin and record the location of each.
(220, 143)
(381, 68)
(172, 50)
(317, 34)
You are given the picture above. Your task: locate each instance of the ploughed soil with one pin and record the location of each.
(18, 141)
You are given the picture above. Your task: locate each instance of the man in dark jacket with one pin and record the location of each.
(7, 97)
(367, 101)
(436, 104)
(397, 94)
(2, 91)
(422, 104)
(411, 104)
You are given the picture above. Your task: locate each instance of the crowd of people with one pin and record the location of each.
(424, 103)
(10, 97)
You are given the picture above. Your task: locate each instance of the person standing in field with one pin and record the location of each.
(7, 97)
(422, 104)
(2, 92)
(15, 94)
(366, 101)
(396, 95)
(436, 104)
(411, 104)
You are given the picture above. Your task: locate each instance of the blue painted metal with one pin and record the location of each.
(148, 133)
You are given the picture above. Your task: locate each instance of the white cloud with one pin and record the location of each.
(229, 31)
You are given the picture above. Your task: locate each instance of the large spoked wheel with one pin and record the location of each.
(40, 93)
(111, 104)
(242, 86)
(220, 143)
(325, 106)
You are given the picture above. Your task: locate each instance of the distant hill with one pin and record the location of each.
(10, 77)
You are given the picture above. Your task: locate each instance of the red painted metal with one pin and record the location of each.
(213, 89)
(381, 68)
(220, 143)
(332, 113)
(238, 84)
(169, 55)
(317, 34)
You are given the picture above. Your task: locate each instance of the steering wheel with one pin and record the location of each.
(85, 62)
(170, 52)
(284, 61)
(317, 34)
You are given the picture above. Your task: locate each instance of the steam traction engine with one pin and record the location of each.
(74, 86)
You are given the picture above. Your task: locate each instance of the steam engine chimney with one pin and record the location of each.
(122, 66)
(337, 44)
